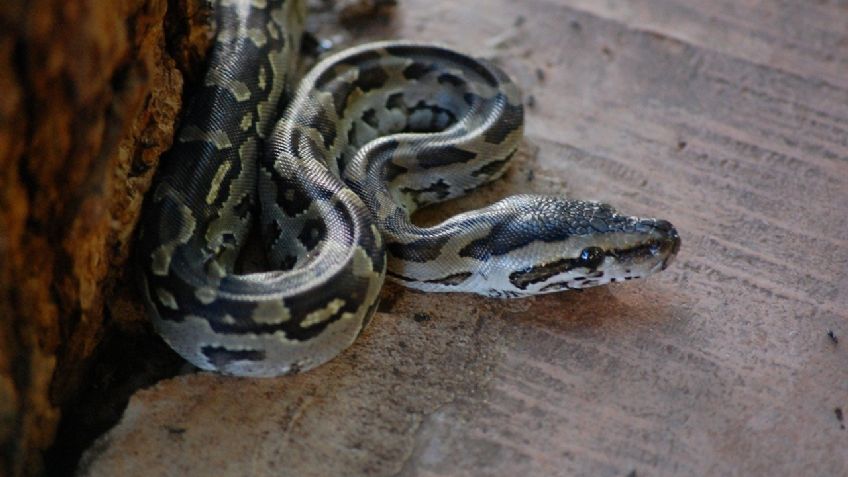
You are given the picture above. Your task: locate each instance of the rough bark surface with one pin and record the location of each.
(90, 94)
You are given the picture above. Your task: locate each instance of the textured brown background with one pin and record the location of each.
(728, 118)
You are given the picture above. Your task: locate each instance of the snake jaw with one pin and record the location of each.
(589, 244)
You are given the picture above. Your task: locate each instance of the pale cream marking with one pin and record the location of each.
(161, 257)
(167, 299)
(216, 270)
(262, 77)
(268, 108)
(257, 36)
(378, 237)
(271, 312)
(217, 138)
(322, 314)
(272, 30)
(237, 88)
(247, 121)
(216, 182)
(205, 295)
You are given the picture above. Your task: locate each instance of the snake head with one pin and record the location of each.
(561, 244)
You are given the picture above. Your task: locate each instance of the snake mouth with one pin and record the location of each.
(659, 249)
(670, 247)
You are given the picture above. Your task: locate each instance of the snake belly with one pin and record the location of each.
(370, 135)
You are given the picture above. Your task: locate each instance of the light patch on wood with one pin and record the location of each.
(323, 314)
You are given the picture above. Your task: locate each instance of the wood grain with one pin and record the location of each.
(729, 119)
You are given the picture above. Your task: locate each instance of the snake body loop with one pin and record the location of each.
(372, 134)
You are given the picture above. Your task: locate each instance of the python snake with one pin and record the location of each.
(370, 135)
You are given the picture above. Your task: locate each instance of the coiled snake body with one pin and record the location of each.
(373, 133)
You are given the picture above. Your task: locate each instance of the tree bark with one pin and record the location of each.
(90, 95)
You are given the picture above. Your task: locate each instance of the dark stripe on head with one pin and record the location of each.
(451, 280)
(539, 273)
(556, 286)
(400, 277)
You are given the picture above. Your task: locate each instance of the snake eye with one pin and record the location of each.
(591, 257)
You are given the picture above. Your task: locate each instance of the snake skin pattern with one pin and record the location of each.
(370, 135)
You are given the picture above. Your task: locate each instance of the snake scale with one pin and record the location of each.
(368, 136)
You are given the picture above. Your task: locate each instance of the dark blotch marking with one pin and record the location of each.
(220, 356)
(451, 79)
(392, 171)
(395, 101)
(340, 90)
(244, 207)
(290, 197)
(513, 233)
(440, 188)
(418, 70)
(369, 117)
(301, 144)
(371, 76)
(271, 233)
(313, 232)
(437, 157)
(320, 121)
(421, 250)
(493, 167)
(486, 72)
(511, 119)
(287, 262)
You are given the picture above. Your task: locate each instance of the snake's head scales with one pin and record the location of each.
(562, 244)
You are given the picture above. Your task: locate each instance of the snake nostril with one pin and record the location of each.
(665, 226)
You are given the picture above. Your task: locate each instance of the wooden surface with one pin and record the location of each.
(730, 119)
